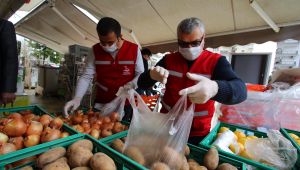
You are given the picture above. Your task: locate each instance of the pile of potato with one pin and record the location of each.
(78, 156)
(94, 124)
(171, 159)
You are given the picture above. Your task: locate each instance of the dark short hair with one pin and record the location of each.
(107, 25)
(146, 51)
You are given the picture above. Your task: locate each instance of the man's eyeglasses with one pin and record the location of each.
(184, 44)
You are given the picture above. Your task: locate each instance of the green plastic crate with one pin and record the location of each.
(210, 138)
(285, 133)
(121, 161)
(38, 111)
(197, 153)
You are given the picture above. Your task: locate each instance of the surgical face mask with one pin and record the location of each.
(111, 48)
(191, 53)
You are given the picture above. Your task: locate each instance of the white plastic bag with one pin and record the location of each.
(158, 136)
(275, 150)
(116, 105)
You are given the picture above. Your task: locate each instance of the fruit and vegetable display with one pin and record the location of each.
(171, 159)
(94, 124)
(25, 129)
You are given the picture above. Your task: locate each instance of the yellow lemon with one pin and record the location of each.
(242, 140)
(294, 136)
(245, 154)
(242, 148)
(252, 137)
(298, 141)
(223, 129)
(239, 134)
(232, 148)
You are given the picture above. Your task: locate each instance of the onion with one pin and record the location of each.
(95, 126)
(64, 134)
(95, 133)
(45, 120)
(35, 128)
(106, 120)
(25, 112)
(118, 127)
(36, 118)
(15, 116)
(56, 123)
(78, 128)
(77, 118)
(86, 126)
(32, 140)
(93, 119)
(115, 116)
(3, 138)
(108, 126)
(90, 113)
(105, 133)
(15, 127)
(6, 148)
(50, 135)
(17, 141)
(28, 118)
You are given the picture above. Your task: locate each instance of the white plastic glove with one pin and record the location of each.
(201, 92)
(74, 104)
(159, 74)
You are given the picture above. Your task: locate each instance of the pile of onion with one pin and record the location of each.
(92, 123)
(25, 129)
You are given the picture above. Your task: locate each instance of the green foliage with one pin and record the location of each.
(41, 51)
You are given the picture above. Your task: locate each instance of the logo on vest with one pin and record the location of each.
(126, 71)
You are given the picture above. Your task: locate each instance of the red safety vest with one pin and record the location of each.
(112, 74)
(204, 65)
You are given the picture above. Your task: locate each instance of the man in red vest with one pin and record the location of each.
(205, 76)
(115, 62)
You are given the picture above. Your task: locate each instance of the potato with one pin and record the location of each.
(50, 156)
(79, 157)
(87, 144)
(187, 151)
(135, 154)
(118, 145)
(185, 165)
(211, 159)
(82, 168)
(159, 166)
(196, 166)
(172, 158)
(60, 164)
(191, 160)
(226, 166)
(101, 161)
(27, 168)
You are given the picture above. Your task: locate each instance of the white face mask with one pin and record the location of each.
(111, 48)
(191, 53)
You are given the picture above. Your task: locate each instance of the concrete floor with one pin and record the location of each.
(51, 104)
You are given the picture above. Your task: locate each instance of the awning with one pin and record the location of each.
(9, 7)
(154, 22)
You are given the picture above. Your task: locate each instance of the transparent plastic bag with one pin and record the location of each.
(159, 137)
(116, 105)
(275, 150)
(281, 108)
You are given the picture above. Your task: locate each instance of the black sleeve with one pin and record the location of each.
(145, 81)
(145, 65)
(232, 90)
(9, 58)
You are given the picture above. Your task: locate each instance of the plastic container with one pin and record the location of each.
(122, 162)
(196, 153)
(38, 111)
(211, 137)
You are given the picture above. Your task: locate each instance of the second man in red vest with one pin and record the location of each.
(205, 76)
